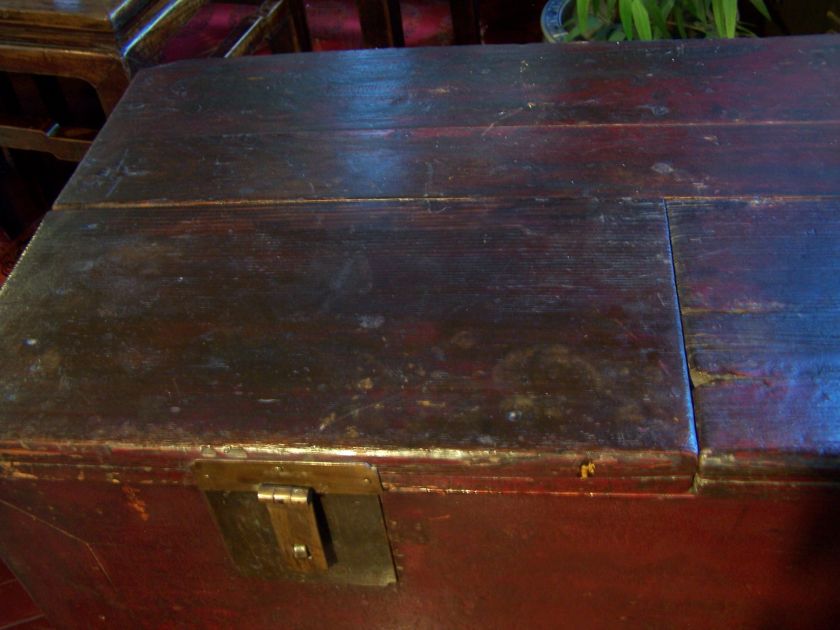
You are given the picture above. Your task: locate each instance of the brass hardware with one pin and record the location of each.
(295, 525)
(300, 520)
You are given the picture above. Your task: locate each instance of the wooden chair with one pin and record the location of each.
(279, 23)
(381, 22)
(103, 44)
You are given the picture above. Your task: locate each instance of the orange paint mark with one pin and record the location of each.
(135, 503)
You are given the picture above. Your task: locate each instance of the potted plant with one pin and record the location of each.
(619, 20)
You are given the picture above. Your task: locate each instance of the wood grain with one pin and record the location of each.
(655, 84)
(460, 163)
(502, 121)
(757, 290)
(526, 327)
(464, 560)
(426, 273)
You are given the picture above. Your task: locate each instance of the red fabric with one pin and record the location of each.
(333, 25)
(206, 30)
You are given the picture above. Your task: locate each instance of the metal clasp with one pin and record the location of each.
(292, 512)
(304, 521)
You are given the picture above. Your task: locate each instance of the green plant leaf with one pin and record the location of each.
(642, 20)
(717, 12)
(730, 16)
(761, 8)
(680, 24)
(726, 17)
(657, 19)
(699, 10)
(617, 35)
(582, 7)
(625, 11)
(573, 33)
(593, 25)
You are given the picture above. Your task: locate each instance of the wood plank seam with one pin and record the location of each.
(257, 203)
(681, 332)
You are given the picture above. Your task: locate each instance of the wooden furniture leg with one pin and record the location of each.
(281, 22)
(299, 27)
(107, 74)
(381, 22)
(465, 24)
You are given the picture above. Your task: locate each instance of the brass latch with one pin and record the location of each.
(300, 520)
(292, 513)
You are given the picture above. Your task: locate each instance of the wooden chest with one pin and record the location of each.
(490, 337)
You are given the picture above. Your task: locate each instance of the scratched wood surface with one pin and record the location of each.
(530, 327)
(669, 119)
(424, 295)
(757, 285)
(472, 561)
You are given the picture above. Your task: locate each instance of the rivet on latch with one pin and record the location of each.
(301, 552)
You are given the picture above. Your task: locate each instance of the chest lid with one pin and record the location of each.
(460, 344)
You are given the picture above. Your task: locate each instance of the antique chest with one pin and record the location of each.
(497, 337)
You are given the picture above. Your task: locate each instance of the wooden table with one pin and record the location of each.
(574, 304)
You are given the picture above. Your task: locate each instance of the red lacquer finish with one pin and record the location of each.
(550, 334)
(153, 559)
(705, 119)
(494, 274)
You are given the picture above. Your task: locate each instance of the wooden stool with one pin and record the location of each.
(102, 43)
(92, 41)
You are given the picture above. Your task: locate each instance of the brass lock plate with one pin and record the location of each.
(300, 520)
